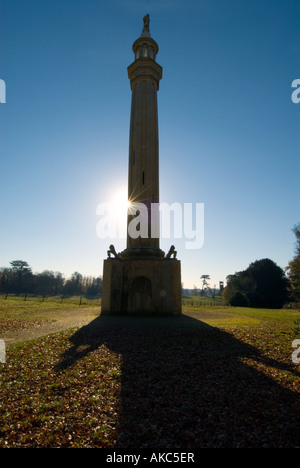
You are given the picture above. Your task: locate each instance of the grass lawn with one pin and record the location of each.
(19, 314)
(222, 377)
(32, 307)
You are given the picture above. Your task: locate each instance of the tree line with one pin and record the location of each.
(19, 279)
(264, 284)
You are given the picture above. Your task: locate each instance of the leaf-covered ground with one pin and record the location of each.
(132, 387)
(19, 325)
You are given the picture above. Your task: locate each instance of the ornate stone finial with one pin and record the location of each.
(146, 30)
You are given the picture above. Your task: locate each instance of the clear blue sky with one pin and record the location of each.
(229, 131)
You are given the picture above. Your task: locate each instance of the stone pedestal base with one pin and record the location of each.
(148, 286)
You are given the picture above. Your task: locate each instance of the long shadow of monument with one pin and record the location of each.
(186, 384)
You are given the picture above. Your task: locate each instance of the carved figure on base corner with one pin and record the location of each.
(172, 252)
(112, 251)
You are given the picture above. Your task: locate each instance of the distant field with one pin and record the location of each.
(190, 302)
(16, 306)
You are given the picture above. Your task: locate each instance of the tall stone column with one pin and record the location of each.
(142, 280)
(143, 173)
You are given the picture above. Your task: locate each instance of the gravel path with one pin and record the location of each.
(59, 320)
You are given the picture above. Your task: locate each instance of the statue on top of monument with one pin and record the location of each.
(146, 20)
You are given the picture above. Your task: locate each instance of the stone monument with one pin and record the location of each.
(142, 280)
